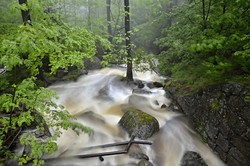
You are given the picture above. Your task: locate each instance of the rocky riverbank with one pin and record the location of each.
(221, 115)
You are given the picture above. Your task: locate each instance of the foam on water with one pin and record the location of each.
(98, 98)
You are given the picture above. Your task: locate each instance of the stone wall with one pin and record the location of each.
(221, 115)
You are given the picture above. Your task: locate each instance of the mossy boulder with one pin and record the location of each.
(139, 124)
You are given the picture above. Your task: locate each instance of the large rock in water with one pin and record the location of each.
(92, 64)
(192, 159)
(139, 124)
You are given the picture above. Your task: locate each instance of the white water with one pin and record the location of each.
(99, 100)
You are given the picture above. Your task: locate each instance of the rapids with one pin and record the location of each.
(98, 100)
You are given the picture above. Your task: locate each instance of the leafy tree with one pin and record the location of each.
(149, 18)
(26, 50)
(208, 43)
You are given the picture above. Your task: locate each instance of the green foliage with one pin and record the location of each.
(143, 61)
(247, 98)
(8, 12)
(199, 52)
(78, 128)
(29, 45)
(117, 53)
(26, 50)
(215, 106)
(32, 105)
(148, 17)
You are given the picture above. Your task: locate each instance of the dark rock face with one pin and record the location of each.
(139, 124)
(154, 85)
(221, 115)
(192, 159)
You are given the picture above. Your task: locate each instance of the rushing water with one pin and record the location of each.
(98, 99)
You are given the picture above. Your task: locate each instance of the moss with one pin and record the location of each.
(140, 116)
(138, 123)
(144, 117)
(72, 75)
(247, 97)
(122, 78)
(180, 88)
(215, 106)
(200, 129)
(167, 84)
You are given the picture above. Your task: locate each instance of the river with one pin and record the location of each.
(99, 99)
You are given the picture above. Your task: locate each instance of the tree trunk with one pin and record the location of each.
(204, 14)
(25, 13)
(129, 76)
(89, 15)
(208, 10)
(224, 7)
(108, 4)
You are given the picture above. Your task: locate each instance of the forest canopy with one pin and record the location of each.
(207, 42)
(197, 43)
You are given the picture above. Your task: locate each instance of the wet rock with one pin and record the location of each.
(220, 114)
(192, 159)
(139, 124)
(139, 84)
(144, 163)
(232, 89)
(82, 71)
(141, 91)
(93, 64)
(222, 143)
(154, 85)
(236, 158)
(136, 152)
(61, 73)
(243, 146)
(246, 114)
(139, 156)
(212, 131)
(157, 84)
(220, 153)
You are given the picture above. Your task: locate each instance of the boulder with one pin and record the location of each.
(192, 159)
(139, 124)
(144, 163)
(154, 85)
(93, 64)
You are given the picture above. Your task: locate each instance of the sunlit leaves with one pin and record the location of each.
(243, 56)
(143, 61)
(28, 104)
(207, 45)
(23, 50)
(66, 46)
(13, 59)
(79, 128)
(6, 102)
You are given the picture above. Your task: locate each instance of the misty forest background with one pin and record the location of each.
(197, 43)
